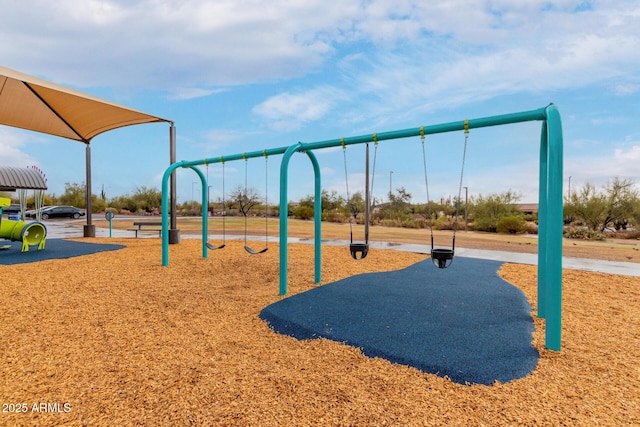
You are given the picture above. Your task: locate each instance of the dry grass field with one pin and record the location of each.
(114, 338)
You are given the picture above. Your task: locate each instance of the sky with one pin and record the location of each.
(244, 75)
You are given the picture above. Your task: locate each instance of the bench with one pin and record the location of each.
(141, 224)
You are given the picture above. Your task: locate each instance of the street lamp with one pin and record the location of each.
(569, 187)
(390, 185)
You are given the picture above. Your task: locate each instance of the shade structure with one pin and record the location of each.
(28, 102)
(12, 178)
(31, 103)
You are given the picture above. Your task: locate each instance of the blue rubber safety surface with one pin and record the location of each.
(53, 249)
(463, 322)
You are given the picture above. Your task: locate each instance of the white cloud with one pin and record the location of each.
(193, 92)
(288, 111)
(502, 46)
(515, 47)
(609, 163)
(168, 44)
(630, 156)
(327, 171)
(217, 139)
(11, 154)
(627, 89)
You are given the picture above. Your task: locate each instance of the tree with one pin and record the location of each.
(147, 199)
(622, 200)
(400, 201)
(588, 205)
(614, 206)
(356, 205)
(245, 201)
(307, 201)
(331, 202)
(74, 195)
(399, 206)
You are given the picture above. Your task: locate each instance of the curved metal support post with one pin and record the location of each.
(205, 211)
(317, 218)
(542, 221)
(165, 209)
(284, 215)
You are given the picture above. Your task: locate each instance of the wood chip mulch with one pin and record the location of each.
(114, 338)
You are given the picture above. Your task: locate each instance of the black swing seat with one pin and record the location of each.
(442, 258)
(213, 248)
(254, 252)
(359, 250)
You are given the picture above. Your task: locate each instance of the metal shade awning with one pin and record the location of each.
(28, 102)
(12, 178)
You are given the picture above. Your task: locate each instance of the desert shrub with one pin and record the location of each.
(338, 217)
(488, 211)
(410, 223)
(420, 223)
(583, 234)
(511, 225)
(443, 223)
(485, 224)
(532, 228)
(303, 212)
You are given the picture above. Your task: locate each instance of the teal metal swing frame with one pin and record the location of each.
(550, 213)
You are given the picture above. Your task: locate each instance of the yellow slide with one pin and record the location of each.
(34, 233)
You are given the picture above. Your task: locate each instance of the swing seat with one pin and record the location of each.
(359, 250)
(254, 252)
(213, 248)
(442, 258)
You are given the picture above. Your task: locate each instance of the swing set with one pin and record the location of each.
(550, 212)
(245, 196)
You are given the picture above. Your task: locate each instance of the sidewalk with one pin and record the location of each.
(65, 230)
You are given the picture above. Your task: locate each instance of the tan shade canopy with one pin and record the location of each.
(31, 103)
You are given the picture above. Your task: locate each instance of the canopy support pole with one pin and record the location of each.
(174, 233)
(89, 228)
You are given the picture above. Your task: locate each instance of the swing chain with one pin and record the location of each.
(266, 196)
(464, 155)
(375, 154)
(426, 184)
(346, 177)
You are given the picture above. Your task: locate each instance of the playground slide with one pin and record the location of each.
(34, 233)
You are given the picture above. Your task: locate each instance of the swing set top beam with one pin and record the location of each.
(524, 116)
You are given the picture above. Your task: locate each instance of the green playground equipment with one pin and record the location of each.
(30, 234)
(550, 214)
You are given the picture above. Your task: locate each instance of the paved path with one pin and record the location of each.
(64, 229)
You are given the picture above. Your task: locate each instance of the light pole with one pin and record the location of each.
(390, 185)
(466, 208)
(569, 187)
